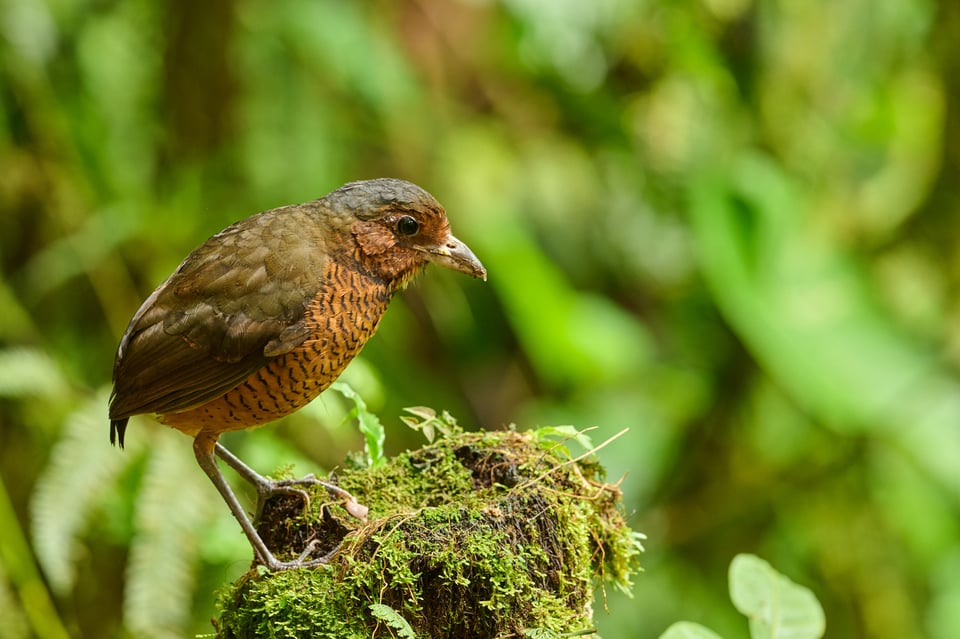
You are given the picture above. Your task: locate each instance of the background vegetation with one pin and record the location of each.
(727, 224)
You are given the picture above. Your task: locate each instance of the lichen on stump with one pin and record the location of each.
(477, 535)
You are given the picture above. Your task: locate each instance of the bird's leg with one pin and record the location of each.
(265, 487)
(269, 487)
(203, 447)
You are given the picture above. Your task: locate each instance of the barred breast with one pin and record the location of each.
(341, 318)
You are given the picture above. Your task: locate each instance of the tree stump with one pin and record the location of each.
(475, 536)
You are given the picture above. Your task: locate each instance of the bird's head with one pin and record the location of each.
(399, 228)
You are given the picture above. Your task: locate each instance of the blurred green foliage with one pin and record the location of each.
(776, 607)
(727, 224)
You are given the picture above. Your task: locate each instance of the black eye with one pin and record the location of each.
(408, 226)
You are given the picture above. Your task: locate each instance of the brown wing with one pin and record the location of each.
(234, 303)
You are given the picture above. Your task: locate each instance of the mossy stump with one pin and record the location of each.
(477, 535)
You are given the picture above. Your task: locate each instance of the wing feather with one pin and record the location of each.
(224, 313)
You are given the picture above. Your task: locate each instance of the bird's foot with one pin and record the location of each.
(267, 488)
(205, 450)
(274, 565)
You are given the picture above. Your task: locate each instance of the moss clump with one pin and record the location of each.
(478, 535)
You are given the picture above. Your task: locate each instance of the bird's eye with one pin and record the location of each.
(408, 226)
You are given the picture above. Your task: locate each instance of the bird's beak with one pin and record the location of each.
(455, 255)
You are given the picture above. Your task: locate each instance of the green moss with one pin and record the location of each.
(475, 535)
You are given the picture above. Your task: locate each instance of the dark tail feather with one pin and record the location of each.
(118, 427)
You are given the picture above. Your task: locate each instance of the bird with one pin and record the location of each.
(263, 316)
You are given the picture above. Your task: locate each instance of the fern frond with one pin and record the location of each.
(30, 372)
(175, 505)
(82, 468)
(394, 619)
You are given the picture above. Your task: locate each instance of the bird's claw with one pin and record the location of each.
(271, 487)
(273, 564)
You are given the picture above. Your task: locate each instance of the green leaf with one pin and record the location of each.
(26, 607)
(688, 630)
(393, 619)
(426, 421)
(559, 435)
(422, 420)
(370, 426)
(13, 621)
(777, 607)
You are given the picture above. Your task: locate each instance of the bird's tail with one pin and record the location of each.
(118, 427)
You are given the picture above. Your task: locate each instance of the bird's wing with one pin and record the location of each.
(234, 303)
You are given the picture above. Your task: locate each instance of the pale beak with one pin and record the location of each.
(455, 255)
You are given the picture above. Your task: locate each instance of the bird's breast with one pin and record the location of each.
(341, 318)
